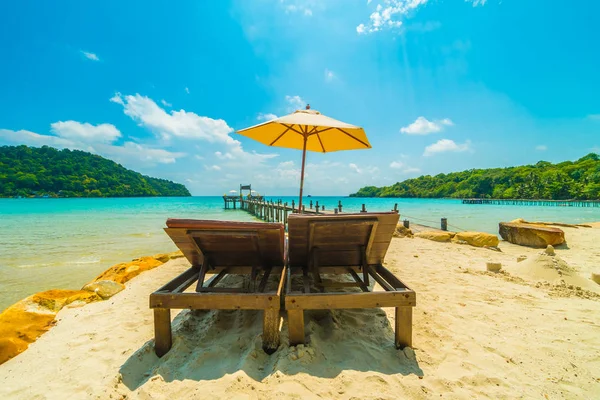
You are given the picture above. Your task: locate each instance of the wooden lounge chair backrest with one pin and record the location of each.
(340, 238)
(227, 243)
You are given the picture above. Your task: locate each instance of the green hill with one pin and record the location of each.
(566, 180)
(30, 171)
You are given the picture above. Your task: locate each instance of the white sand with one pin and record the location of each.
(476, 335)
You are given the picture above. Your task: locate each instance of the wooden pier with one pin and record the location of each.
(534, 202)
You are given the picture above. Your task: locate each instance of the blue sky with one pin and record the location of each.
(438, 85)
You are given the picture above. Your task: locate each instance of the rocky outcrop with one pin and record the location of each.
(436, 236)
(105, 289)
(25, 321)
(124, 272)
(531, 235)
(402, 231)
(477, 239)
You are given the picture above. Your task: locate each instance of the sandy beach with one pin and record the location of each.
(521, 333)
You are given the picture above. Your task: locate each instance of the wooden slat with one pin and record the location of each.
(214, 301)
(180, 279)
(390, 277)
(222, 290)
(379, 279)
(321, 301)
(363, 285)
(263, 281)
(332, 284)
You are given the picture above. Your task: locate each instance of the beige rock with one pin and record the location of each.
(494, 266)
(521, 258)
(478, 239)
(596, 278)
(402, 231)
(436, 236)
(105, 289)
(531, 235)
(550, 250)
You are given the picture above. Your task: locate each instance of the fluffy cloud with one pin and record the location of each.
(541, 147)
(297, 6)
(422, 126)
(187, 90)
(446, 145)
(165, 103)
(213, 168)
(399, 165)
(129, 153)
(477, 2)
(329, 75)
(266, 117)
(90, 56)
(86, 133)
(181, 124)
(389, 14)
(295, 103)
(354, 168)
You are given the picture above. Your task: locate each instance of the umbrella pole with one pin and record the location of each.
(302, 175)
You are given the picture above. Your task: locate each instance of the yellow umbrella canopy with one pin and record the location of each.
(308, 130)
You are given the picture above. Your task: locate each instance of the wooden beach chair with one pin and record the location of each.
(255, 250)
(352, 244)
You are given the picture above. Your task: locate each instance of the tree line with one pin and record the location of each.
(45, 171)
(578, 180)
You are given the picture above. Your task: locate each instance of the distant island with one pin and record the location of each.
(48, 172)
(563, 181)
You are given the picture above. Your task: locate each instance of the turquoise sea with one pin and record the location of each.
(64, 243)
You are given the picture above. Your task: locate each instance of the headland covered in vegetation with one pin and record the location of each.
(48, 172)
(566, 180)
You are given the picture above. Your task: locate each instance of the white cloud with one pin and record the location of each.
(541, 147)
(213, 168)
(294, 6)
(295, 103)
(180, 123)
(184, 125)
(266, 117)
(187, 90)
(422, 126)
(329, 75)
(165, 103)
(354, 168)
(86, 133)
(399, 165)
(446, 145)
(389, 15)
(90, 56)
(128, 153)
(477, 2)
(411, 170)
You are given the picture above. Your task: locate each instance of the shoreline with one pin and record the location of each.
(25, 321)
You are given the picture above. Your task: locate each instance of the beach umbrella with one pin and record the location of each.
(308, 130)
(233, 191)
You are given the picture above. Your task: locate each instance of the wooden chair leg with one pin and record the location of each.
(162, 331)
(296, 326)
(403, 327)
(271, 320)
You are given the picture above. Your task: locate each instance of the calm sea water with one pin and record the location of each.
(64, 243)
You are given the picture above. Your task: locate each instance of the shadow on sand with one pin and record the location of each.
(210, 344)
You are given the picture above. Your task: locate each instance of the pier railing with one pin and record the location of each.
(535, 202)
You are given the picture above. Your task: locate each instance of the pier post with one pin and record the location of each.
(335, 211)
(317, 207)
(339, 205)
(310, 206)
(444, 224)
(293, 206)
(395, 207)
(363, 209)
(406, 223)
